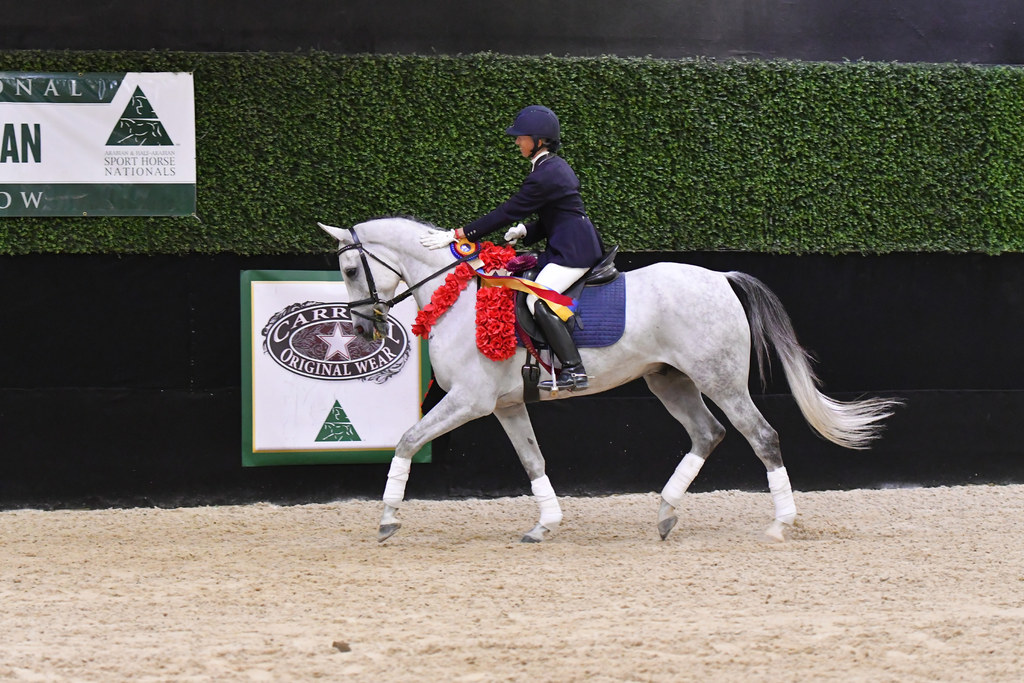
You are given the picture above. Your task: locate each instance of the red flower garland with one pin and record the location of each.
(442, 299)
(495, 306)
(495, 322)
(495, 257)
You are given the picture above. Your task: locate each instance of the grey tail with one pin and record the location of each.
(852, 424)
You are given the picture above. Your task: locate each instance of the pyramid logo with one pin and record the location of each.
(139, 125)
(337, 426)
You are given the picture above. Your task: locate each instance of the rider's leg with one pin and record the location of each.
(559, 278)
(572, 374)
(556, 277)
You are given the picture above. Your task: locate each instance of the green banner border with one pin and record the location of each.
(29, 87)
(99, 199)
(251, 458)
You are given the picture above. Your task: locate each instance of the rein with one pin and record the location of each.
(378, 318)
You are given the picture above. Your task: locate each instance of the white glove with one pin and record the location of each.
(515, 232)
(438, 239)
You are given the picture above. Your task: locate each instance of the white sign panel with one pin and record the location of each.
(114, 144)
(314, 391)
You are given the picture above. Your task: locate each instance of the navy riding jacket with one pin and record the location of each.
(552, 191)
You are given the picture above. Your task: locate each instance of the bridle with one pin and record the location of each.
(379, 318)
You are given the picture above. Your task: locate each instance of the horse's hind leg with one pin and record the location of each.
(683, 401)
(516, 422)
(745, 416)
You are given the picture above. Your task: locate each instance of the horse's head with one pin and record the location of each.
(371, 282)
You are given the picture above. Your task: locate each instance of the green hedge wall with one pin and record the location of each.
(767, 156)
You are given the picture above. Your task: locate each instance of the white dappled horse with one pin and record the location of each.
(688, 332)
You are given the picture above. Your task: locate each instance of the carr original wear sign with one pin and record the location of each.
(313, 390)
(97, 144)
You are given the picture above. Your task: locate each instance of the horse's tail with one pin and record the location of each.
(853, 424)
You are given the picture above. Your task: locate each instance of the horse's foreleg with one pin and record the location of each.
(449, 413)
(516, 422)
(394, 494)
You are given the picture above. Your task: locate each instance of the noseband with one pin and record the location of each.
(379, 318)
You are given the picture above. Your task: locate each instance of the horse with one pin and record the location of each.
(688, 332)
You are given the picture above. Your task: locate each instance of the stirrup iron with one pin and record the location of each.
(569, 378)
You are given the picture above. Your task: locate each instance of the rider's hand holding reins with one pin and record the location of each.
(437, 239)
(515, 232)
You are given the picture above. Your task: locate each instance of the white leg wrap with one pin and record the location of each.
(394, 491)
(782, 494)
(681, 479)
(550, 512)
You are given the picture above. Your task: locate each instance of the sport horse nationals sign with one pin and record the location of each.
(97, 144)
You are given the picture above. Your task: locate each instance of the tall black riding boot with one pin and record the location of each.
(572, 375)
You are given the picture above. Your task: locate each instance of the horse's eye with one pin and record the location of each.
(351, 272)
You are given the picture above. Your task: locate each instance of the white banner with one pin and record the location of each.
(97, 144)
(313, 390)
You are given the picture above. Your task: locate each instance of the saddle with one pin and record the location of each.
(602, 273)
(601, 293)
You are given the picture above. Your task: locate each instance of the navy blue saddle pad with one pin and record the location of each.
(601, 310)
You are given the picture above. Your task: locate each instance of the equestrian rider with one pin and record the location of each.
(552, 192)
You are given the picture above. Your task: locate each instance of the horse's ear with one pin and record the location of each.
(337, 233)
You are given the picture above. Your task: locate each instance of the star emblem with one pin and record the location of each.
(337, 343)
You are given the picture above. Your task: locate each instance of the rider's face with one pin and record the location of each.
(525, 144)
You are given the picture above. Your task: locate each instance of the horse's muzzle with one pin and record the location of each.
(380, 323)
(371, 327)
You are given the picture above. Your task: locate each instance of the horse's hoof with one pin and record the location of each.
(386, 531)
(776, 531)
(535, 535)
(666, 518)
(666, 525)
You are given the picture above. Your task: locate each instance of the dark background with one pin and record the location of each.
(981, 31)
(120, 377)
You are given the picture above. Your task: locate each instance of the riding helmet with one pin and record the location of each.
(537, 122)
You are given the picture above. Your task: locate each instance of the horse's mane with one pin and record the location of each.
(406, 217)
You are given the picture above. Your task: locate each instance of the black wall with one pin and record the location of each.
(119, 385)
(981, 31)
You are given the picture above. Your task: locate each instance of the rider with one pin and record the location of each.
(552, 192)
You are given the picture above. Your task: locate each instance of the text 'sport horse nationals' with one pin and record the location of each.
(688, 332)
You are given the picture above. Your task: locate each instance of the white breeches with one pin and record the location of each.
(558, 278)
